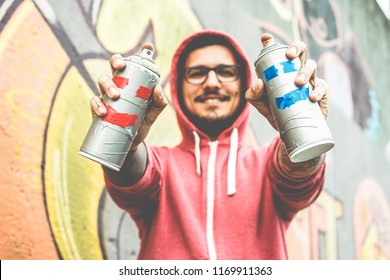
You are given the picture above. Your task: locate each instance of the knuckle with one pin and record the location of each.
(105, 81)
(102, 79)
(94, 101)
(301, 46)
(113, 60)
(322, 84)
(115, 57)
(311, 64)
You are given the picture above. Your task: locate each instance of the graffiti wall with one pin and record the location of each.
(53, 204)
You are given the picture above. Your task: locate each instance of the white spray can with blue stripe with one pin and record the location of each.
(301, 125)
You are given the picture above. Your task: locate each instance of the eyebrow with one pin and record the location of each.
(204, 66)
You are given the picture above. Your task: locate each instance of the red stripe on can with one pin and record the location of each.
(119, 119)
(143, 92)
(120, 82)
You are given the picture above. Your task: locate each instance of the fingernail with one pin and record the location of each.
(255, 87)
(293, 51)
(113, 92)
(118, 62)
(101, 110)
(315, 95)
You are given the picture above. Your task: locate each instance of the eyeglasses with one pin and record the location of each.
(197, 75)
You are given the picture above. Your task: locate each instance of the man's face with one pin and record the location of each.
(218, 97)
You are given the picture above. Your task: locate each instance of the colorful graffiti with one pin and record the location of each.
(53, 203)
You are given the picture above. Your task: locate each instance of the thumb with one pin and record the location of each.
(255, 93)
(255, 96)
(159, 102)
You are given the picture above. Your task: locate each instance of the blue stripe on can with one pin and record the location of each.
(288, 66)
(270, 73)
(289, 99)
(273, 72)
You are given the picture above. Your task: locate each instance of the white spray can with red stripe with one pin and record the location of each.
(109, 138)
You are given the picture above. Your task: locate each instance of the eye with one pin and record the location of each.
(194, 73)
(227, 71)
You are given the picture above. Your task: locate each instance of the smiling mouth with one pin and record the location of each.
(212, 99)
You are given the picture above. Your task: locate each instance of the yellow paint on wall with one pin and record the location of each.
(120, 27)
(122, 23)
(97, 67)
(333, 211)
(319, 218)
(73, 183)
(370, 248)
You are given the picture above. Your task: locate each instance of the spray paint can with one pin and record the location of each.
(301, 125)
(109, 138)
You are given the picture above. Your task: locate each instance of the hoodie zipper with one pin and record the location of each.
(210, 199)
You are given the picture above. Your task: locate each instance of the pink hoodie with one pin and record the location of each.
(220, 199)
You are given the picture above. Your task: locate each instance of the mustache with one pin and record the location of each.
(212, 94)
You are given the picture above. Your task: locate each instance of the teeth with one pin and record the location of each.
(212, 100)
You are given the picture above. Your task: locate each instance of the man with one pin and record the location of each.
(213, 196)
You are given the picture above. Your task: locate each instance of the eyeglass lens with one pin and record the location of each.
(198, 74)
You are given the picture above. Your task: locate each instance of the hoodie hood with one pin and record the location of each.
(190, 132)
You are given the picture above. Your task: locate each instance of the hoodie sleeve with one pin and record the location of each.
(143, 195)
(292, 195)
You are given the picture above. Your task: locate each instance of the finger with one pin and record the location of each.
(323, 103)
(320, 94)
(148, 46)
(267, 39)
(255, 92)
(319, 90)
(107, 86)
(255, 96)
(159, 100)
(117, 63)
(97, 107)
(296, 49)
(324, 106)
(307, 72)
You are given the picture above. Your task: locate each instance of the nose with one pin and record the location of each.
(212, 80)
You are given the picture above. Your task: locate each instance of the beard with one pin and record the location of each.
(212, 124)
(212, 127)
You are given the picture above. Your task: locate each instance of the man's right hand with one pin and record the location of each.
(107, 87)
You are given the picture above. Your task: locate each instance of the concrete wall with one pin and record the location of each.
(53, 204)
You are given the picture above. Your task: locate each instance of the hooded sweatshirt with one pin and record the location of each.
(221, 199)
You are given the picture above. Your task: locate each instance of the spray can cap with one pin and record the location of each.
(147, 50)
(145, 58)
(269, 45)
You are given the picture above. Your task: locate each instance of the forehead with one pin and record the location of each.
(210, 56)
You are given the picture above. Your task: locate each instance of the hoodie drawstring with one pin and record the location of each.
(197, 152)
(232, 160)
